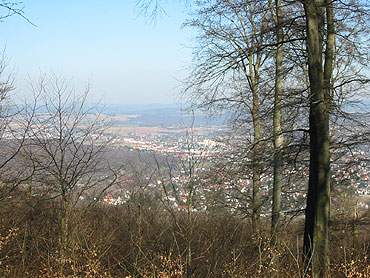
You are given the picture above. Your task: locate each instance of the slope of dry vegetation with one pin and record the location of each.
(130, 241)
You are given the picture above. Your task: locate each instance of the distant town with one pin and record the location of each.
(205, 141)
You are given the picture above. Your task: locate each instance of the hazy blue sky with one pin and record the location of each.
(105, 43)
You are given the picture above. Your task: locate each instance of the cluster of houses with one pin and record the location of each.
(350, 174)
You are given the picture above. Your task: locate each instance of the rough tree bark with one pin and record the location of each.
(318, 198)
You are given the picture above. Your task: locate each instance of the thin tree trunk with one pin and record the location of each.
(318, 197)
(257, 132)
(64, 233)
(277, 125)
(64, 225)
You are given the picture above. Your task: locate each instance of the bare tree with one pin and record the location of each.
(66, 149)
(13, 136)
(231, 73)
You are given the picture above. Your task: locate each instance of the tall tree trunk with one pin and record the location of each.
(277, 126)
(257, 132)
(318, 196)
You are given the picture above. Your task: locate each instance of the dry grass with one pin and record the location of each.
(129, 242)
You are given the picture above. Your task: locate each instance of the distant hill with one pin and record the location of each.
(162, 115)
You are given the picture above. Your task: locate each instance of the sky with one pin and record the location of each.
(122, 55)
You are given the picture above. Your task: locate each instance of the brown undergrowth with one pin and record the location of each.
(132, 242)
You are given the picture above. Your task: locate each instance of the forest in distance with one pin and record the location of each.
(261, 170)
